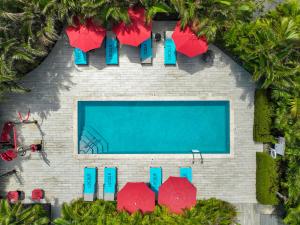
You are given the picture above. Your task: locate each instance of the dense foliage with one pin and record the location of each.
(269, 47)
(37, 23)
(26, 33)
(206, 212)
(266, 179)
(17, 214)
(262, 117)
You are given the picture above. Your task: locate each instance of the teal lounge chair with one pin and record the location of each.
(146, 51)
(155, 178)
(110, 183)
(170, 49)
(80, 57)
(90, 184)
(186, 172)
(111, 49)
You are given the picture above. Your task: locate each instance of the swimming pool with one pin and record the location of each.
(153, 127)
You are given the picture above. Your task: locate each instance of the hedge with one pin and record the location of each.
(262, 117)
(206, 212)
(266, 179)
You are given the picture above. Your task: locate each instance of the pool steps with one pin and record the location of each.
(91, 141)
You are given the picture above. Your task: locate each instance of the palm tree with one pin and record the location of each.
(16, 214)
(103, 11)
(35, 22)
(268, 49)
(153, 7)
(209, 16)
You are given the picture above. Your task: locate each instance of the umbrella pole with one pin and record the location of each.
(8, 173)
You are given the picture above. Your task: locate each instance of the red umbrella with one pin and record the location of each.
(86, 36)
(187, 42)
(177, 193)
(136, 197)
(137, 31)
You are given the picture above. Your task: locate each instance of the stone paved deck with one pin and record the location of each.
(57, 81)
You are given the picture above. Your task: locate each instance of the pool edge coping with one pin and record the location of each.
(157, 155)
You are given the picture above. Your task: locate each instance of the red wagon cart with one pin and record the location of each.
(9, 146)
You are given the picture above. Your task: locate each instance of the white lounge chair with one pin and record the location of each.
(278, 148)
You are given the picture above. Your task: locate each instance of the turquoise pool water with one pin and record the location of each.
(141, 127)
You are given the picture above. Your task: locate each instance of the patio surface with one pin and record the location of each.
(57, 81)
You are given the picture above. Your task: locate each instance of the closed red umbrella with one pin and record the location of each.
(86, 36)
(177, 193)
(136, 197)
(188, 43)
(137, 31)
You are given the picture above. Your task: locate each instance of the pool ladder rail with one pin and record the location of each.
(194, 152)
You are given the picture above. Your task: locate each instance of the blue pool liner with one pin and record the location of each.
(154, 127)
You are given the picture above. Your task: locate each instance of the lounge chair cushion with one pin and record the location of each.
(110, 180)
(80, 57)
(111, 50)
(146, 51)
(155, 178)
(170, 52)
(90, 176)
(186, 172)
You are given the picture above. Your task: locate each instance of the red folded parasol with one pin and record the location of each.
(136, 197)
(86, 36)
(177, 193)
(137, 31)
(188, 43)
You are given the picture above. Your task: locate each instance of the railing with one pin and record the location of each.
(196, 151)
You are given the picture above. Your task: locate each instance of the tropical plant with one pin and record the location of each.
(209, 17)
(105, 12)
(211, 211)
(153, 7)
(293, 217)
(267, 47)
(36, 26)
(16, 214)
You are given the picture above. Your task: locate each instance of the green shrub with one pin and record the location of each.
(293, 216)
(18, 214)
(206, 212)
(262, 118)
(266, 179)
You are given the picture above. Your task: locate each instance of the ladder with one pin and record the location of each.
(196, 151)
